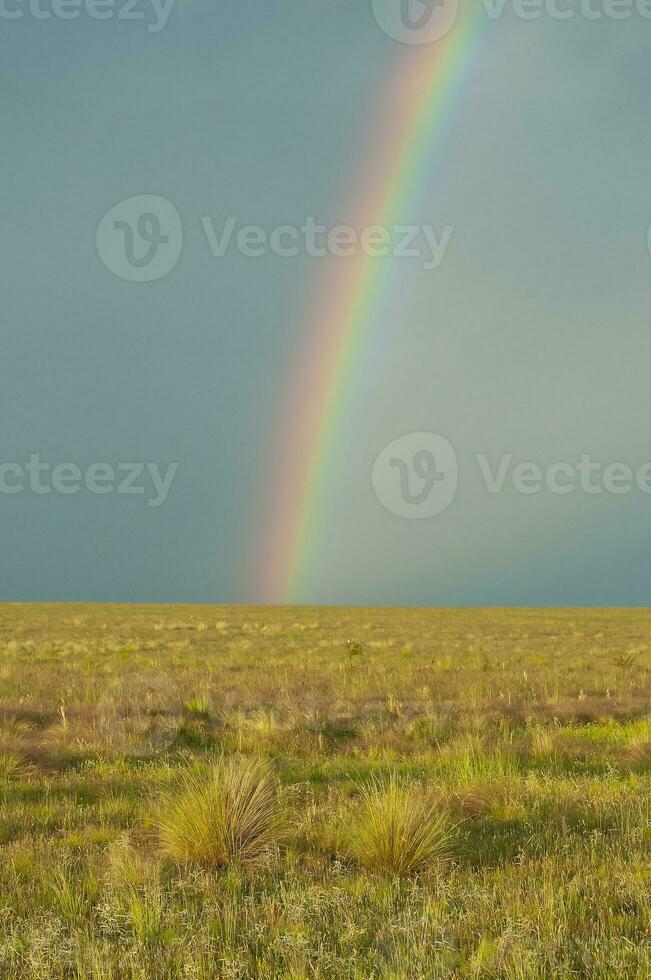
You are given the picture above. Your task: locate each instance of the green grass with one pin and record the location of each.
(227, 814)
(457, 793)
(399, 832)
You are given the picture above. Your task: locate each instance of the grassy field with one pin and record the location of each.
(427, 793)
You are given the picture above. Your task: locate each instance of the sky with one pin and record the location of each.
(163, 402)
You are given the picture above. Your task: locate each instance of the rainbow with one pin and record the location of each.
(413, 113)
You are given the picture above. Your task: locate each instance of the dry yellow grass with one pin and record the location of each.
(397, 831)
(226, 813)
(529, 728)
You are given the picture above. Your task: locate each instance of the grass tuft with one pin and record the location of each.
(12, 765)
(397, 831)
(227, 814)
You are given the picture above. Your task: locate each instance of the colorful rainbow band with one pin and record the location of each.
(414, 109)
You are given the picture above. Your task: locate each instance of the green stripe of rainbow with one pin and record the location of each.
(413, 112)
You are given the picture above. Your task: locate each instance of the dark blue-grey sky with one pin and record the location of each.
(531, 338)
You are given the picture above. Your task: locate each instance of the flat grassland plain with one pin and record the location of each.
(422, 793)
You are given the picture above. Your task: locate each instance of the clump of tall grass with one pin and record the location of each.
(73, 894)
(12, 765)
(398, 831)
(128, 866)
(226, 814)
(199, 706)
